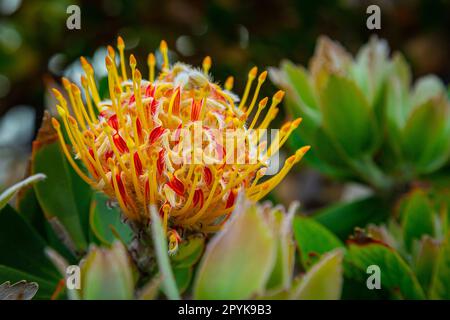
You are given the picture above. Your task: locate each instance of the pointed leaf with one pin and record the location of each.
(324, 280)
(160, 242)
(440, 286)
(347, 116)
(104, 219)
(396, 275)
(238, 260)
(11, 191)
(417, 218)
(313, 240)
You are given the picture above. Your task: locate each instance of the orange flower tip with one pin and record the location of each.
(72, 121)
(198, 170)
(151, 59)
(89, 135)
(84, 81)
(291, 159)
(120, 43)
(132, 61)
(301, 152)
(286, 126)
(163, 46)
(263, 102)
(229, 83)
(110, 163)
(56, 93)
(296, 122)
(108, 62)
(166, 208)
(111, 52)
(55, 124)
(262, 77)
(84, 62)
(253, 72)
(75, 89)
(207, 62)
(61, 111)
(279, 95)
(66, 83)
(137, 75)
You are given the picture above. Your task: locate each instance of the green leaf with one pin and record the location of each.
(425, 137)
(56, 194)
(28, 207)
(189, 252)
(297, 77)
(239, 259)
(347, 117)
(22, 248)
(46, 288)
(160, 242)
(324, 280)
(440, 286)
(417, 218)
(425, 261)
(107, 275)
(426, 88)
(341, 219)
(313, 240)
(11, 191)
(396, 275)
(370, 68)
(183, 277)
(104, 219)
(282, 271)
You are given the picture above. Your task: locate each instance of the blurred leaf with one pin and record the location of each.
(227, 273)
(189, 252)
(324, 280)
(183, 277)
(28, 207)
(440, 286)
(107, 275)
(370, 68)
(426, 88)
(417, 218)
(160, 242)
(56, 194)
(11, 191)
(395, 273)
(151, 289)
(341, 219)
(347, 117)
(425, 137)
(297, 77)
(22, 248)
(425, 261)
(282, 271)
(313, 240)
(104, 219)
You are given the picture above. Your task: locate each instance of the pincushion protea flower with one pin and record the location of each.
(133, 145)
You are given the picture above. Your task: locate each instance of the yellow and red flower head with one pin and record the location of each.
(139, 147)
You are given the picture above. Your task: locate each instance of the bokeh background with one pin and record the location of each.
(36, 49)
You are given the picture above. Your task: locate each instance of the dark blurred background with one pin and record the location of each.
(36, 48)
